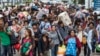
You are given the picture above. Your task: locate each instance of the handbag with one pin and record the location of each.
(17, 46)
(13, 39)
(61, 50)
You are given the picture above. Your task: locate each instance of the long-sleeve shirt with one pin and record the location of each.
(89, 39)
(54, 37)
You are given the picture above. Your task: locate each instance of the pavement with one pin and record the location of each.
(93, 54)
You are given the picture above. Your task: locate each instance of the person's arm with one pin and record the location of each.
(18, 28)
(60, 37)
(96, 35)
(30, 48)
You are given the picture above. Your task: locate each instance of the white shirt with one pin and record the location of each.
(89, 38)
(80, 35)
(42, 12)
(98, 29)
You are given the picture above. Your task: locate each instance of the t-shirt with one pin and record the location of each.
(5, 40)
(71, 47)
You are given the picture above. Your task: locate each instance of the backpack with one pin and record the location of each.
(13, 39)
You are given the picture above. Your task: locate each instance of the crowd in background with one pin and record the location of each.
(39, 29)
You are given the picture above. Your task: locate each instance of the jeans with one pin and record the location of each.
(6, 50)
(54, 50)
(93, 46)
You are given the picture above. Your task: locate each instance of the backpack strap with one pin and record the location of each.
(94, 35)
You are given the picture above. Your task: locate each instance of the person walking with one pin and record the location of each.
(5, 40)
(73, 45)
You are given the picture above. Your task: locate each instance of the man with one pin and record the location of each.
(91, 38)
(5, 40)
(63, 30)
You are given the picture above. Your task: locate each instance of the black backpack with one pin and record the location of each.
(13, 39)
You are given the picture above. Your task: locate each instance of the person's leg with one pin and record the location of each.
(89, 51)
(93, 47)
(4, 52)
(56, 49)
(85, 49)
(52, 51)
(9, 50)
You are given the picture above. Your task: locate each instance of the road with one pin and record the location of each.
(95, 54)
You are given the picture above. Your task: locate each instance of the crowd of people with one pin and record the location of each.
(39, 29)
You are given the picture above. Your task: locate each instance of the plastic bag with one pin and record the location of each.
(61, 50)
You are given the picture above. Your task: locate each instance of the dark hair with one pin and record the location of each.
(44, 16)
(14, 20)
(83, 7)
(47, 38)
(53, 25)
(69, 33)
(60, 22)
(90, 18)
(76, 21)
(33, 17)
(26, 21)
(34, 24)
(91, 23)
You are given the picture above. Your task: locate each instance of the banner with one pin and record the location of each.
(97, 4)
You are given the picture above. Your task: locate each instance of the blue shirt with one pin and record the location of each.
(71, 47)
(44, 25)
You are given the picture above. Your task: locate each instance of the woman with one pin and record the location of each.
(44, 45)
(27, 44)
(72, 44)
(82, 37)
(80, 33)
(37, 35)
(15, 28)
(55, 40)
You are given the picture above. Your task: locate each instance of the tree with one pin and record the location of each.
(81, 1)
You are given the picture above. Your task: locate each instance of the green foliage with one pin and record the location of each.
(81, 1)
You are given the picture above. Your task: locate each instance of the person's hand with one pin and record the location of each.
(36, 39)
(41, 54)
(27, 52)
